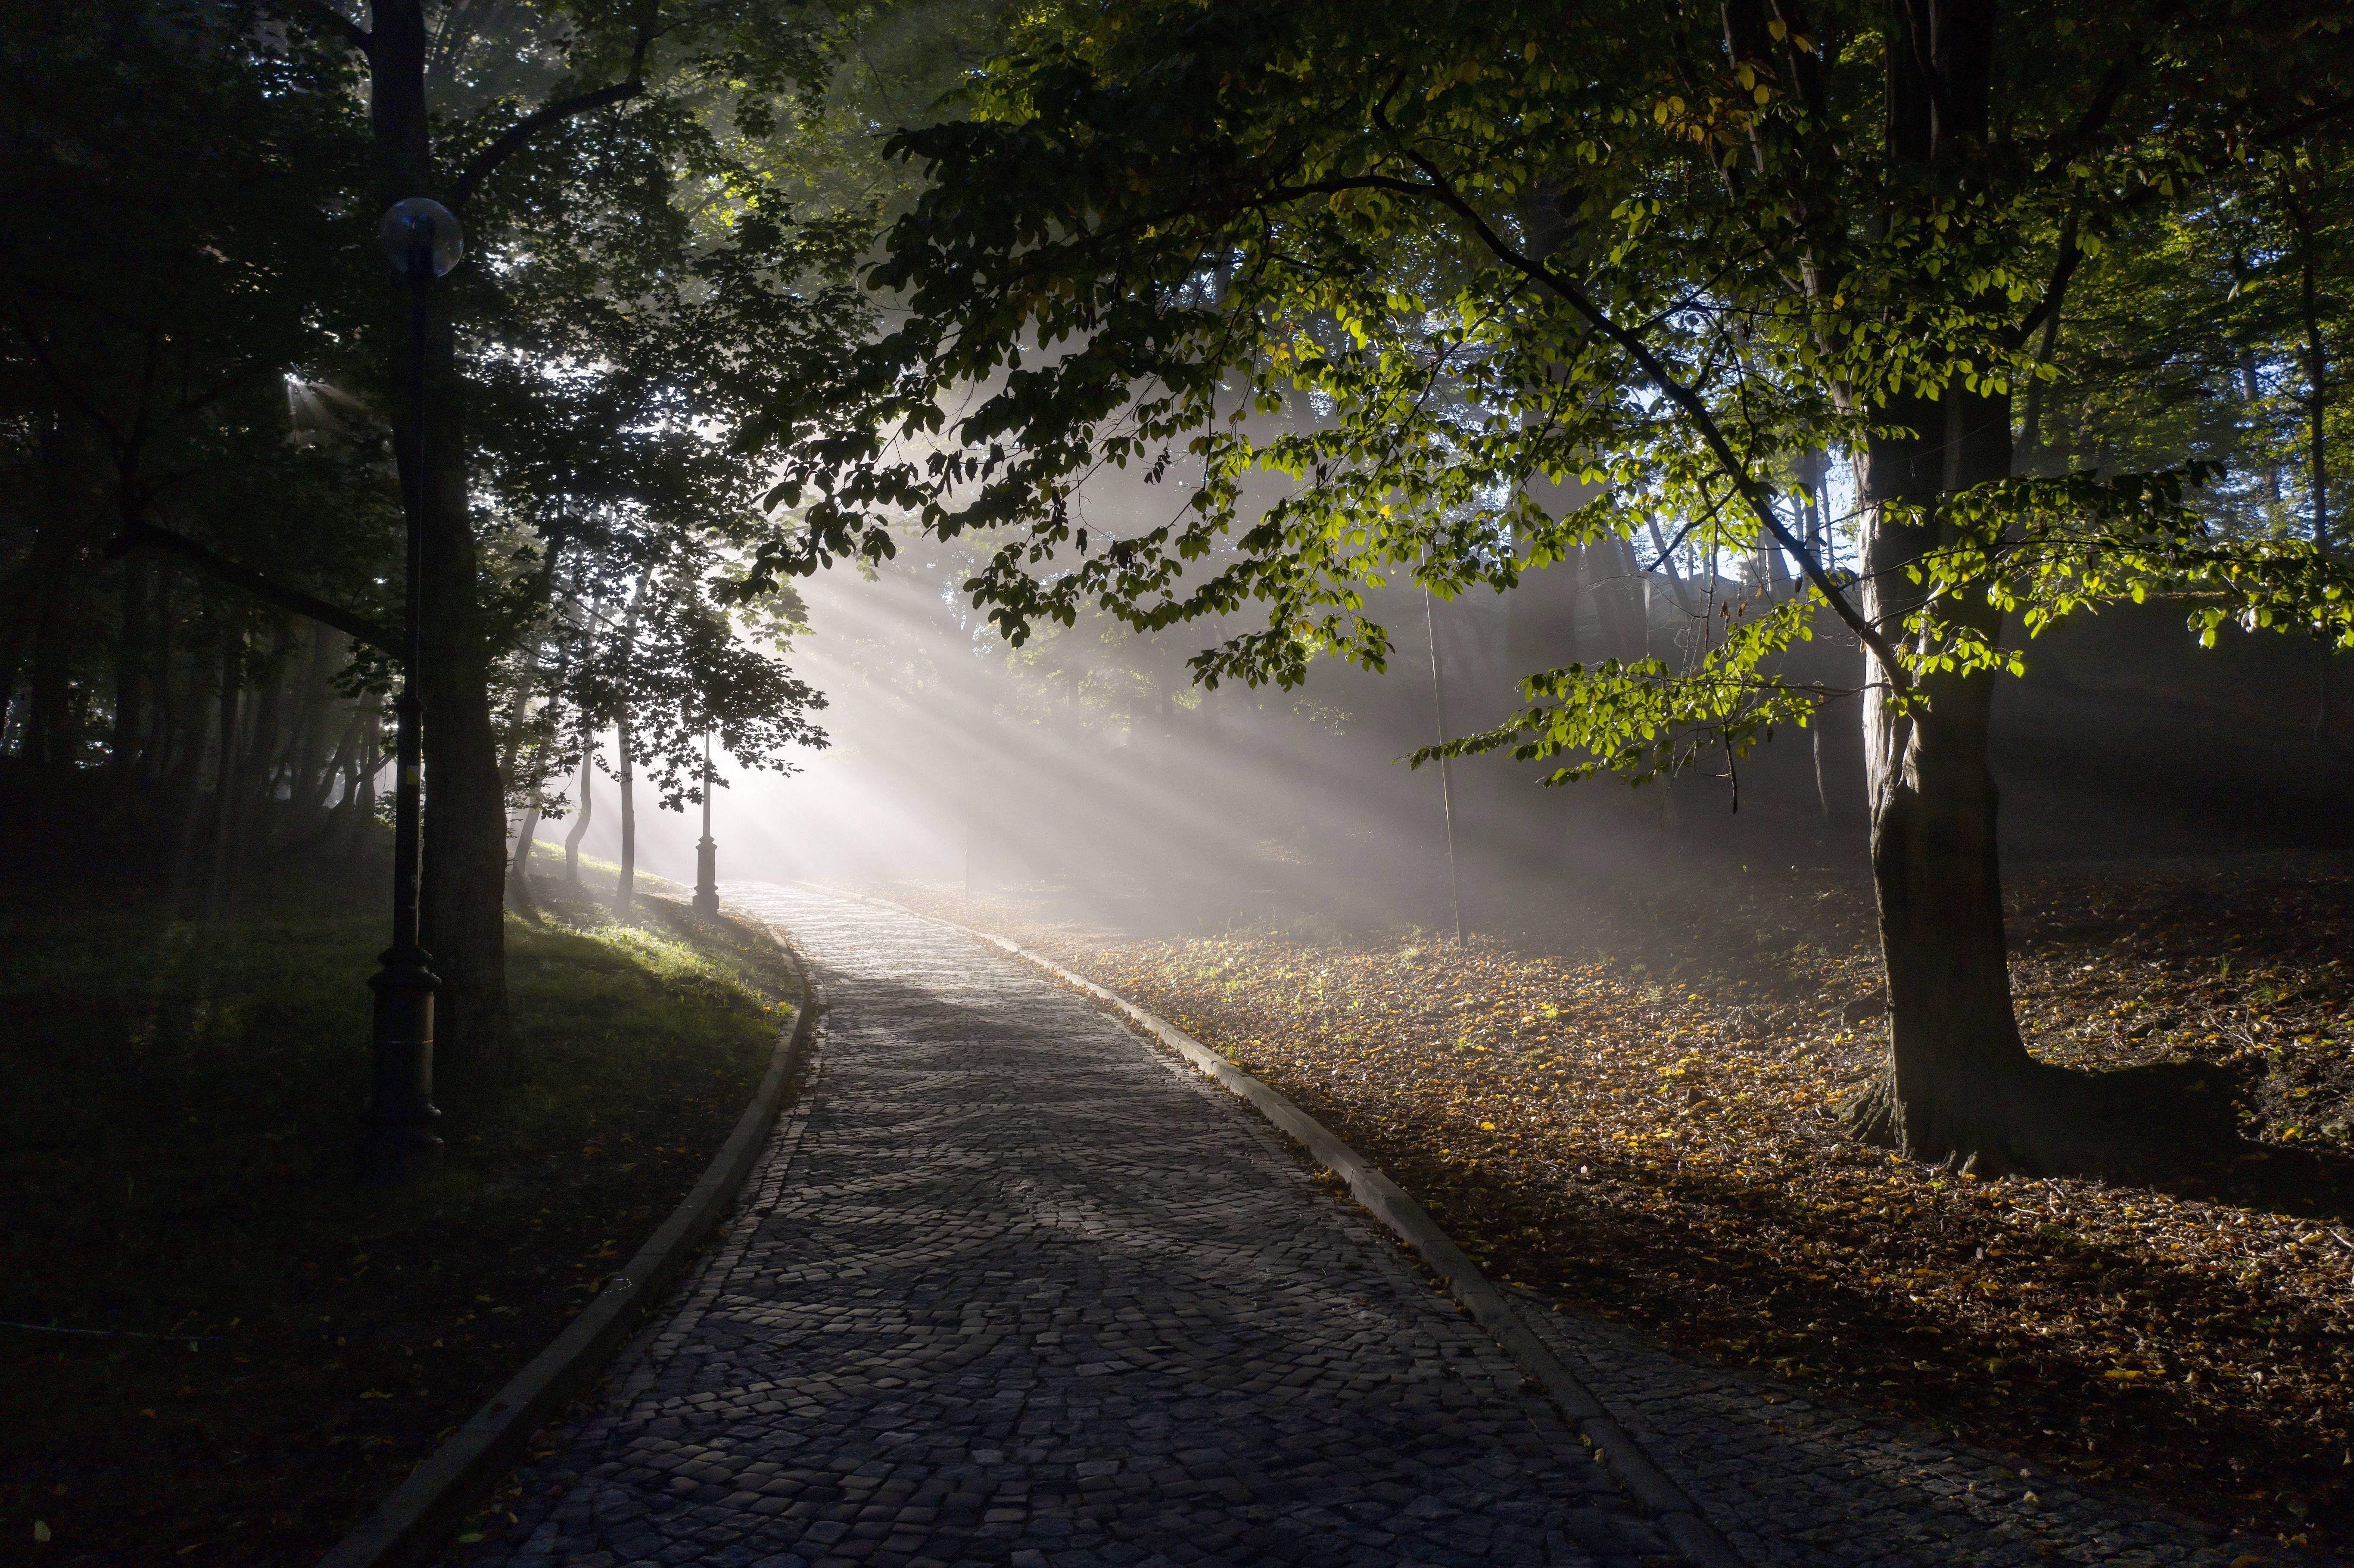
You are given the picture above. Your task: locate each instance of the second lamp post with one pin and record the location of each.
(707, 853)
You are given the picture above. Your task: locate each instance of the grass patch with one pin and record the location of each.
(181, 1129)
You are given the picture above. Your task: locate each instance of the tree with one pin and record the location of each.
(648, 131)
(154, 311)
(1670, 254)
(164, 314)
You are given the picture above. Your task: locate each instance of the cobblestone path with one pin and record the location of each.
(1797, 1482)
(1013, 1288)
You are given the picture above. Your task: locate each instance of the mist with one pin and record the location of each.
(1090, 765)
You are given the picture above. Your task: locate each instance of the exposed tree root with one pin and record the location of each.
(2166, 1120)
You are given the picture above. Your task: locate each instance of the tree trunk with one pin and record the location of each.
(2316, 403)
(464, 918)
(225, 781)
(359, 810)
(156, 737)
(519, 852)
(626, 888)
(519, 877)
(2317, 364)
(51, 737)
(2251, 392)
(1954, 1043)
(132, 663)
(314, 764)
(1959, 1083)
(1955, 1062)
(1618, 596)
(580, 818)
(257, 771)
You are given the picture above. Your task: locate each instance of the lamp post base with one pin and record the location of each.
(706, 877)
(402, 1146)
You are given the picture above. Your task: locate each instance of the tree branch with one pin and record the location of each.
(2057, 290)
(2304, 122)
(1759, 499)
(480, 166)
(359, 627)
(351, 32)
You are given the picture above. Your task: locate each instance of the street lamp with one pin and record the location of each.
(422, 240)
(707, 853)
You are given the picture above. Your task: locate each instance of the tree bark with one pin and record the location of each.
(1619, 596)
(52, 739)
(1955, 1061)
(2317, 404)
(359, 807)
(257, 769)
(2316, 369)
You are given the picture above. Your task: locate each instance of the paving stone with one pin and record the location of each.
(1013, 1290)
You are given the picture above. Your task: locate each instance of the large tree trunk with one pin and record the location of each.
(1959, 1083)
(1957, 1064)
(1956, 1067)
(225, 779)
(1618, 596)
(463, 917)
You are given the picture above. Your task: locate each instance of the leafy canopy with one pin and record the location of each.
(1408, 260)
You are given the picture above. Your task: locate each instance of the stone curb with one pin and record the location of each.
(424, 1508)
(1619, 1454)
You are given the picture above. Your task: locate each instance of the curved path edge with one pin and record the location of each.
(422, 1510)
(1412, 1223)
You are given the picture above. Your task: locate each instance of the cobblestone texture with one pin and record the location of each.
(1012, 1288)
(1793, 1479)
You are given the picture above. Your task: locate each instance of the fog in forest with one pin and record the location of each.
(1087, 764)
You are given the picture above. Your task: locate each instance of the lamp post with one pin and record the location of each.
(422, 240)
(707, 853)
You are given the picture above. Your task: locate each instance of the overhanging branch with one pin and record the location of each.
(343, 27)
(1758, 498)
(479, 166)
(357, 627)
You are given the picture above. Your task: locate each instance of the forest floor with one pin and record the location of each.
(219, 1349)
(1630, 1106)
